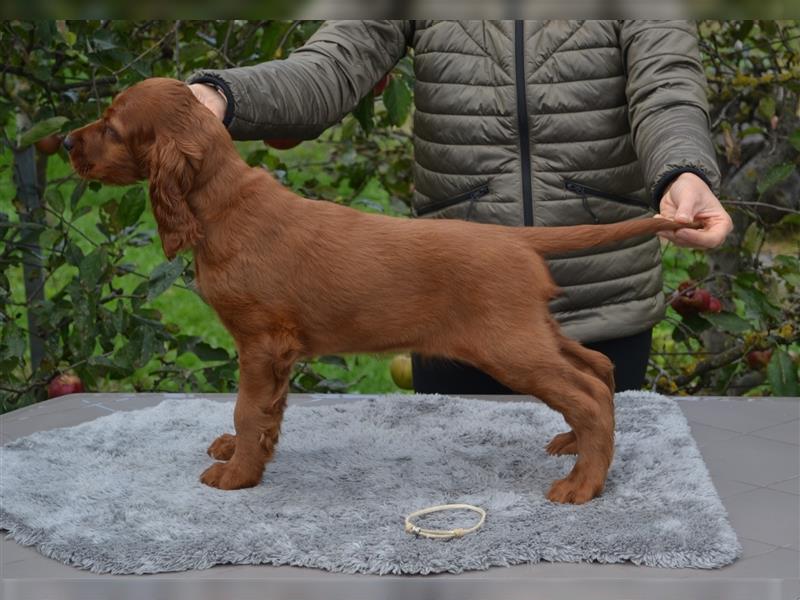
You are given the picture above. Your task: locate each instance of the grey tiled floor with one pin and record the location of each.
(751, 448)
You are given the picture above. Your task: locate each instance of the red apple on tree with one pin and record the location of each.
(691, 300)
(381, 85)
(282, 143)
(63, 384)
(700, 299)
(48, 145)
(758, 359)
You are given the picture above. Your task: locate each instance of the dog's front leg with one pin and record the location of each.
(263, 385)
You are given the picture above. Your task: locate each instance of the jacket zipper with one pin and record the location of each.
(471, 195)
(584, 191)
(522, 122)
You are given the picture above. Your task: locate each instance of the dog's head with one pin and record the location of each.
(155, 130)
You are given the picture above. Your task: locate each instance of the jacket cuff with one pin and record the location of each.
(219, 83)
(671, 173)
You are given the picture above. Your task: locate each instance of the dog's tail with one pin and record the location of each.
(555, 240)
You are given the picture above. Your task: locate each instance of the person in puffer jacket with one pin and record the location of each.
(522, 123)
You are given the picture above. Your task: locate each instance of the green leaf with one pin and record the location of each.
(727, 321)
(49, 237)
(777, 174)
(790, 220)
(103, 361)
(769, 27)
(103, 40)
(12, 342)
(131, 207)
(333, 359)
(397, 99)
(766, 107)
(54, 199)
(756, 303)
(73, 253)
(80, 211)
(164, 276)
(271, 37)
(77, 193)
(93, 266)
(365, 112)
(743, 30)
(693, 325)
(698, 270)
(149, 346)
(754, 130)
(794, 139)
(41, 130)
(790, 262)
(788, 267)
(782, 374)
(205, 351)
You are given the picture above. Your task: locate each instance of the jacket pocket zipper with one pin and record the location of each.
(584, 191)
(470, 195)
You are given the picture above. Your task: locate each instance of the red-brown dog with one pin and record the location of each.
(291, 278)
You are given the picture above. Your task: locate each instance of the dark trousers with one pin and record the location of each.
(443, 376)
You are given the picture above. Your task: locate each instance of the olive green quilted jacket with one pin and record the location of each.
(522, 123)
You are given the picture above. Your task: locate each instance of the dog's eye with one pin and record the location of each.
(111, 132)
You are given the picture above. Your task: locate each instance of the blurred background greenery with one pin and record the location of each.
(85, 293)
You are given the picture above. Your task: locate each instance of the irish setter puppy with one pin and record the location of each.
(291, 278)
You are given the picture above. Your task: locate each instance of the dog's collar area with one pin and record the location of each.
(444, 534)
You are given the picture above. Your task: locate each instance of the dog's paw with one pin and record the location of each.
(563, 443)
(227, 476)
(571, 491)
(223, 447)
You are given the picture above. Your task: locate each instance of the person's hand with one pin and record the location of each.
(211, 98)
(688, 199)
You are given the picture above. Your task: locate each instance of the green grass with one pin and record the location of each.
(365, 373)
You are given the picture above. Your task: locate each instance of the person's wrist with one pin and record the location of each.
(220, 92)
(665, 183)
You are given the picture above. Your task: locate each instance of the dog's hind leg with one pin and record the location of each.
(264, 382)
(530, 363)
(588, 361)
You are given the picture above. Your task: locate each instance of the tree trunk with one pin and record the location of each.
(29, 192)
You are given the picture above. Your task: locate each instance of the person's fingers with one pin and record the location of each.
(715, 229)
(667, 235)
(667, 207)
(698, 238)
(687, 206)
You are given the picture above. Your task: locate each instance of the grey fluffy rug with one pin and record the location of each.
(121, 494)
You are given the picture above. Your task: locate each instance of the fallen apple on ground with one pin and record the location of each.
(400, 368)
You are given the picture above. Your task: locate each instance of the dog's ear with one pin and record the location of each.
(171, 177)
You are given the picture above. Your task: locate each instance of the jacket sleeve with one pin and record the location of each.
(315, 86)
(668, 108)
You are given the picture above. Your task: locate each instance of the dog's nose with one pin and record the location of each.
(69, 143)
